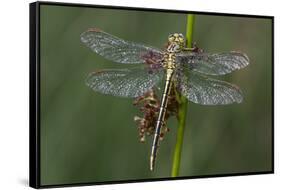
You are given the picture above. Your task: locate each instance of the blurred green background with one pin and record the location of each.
(90, 137)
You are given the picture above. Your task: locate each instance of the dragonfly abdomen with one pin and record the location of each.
(169, 64)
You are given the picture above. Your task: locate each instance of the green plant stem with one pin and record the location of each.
(182, 107)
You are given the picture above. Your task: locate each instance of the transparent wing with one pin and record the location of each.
(213, 64)
(124, 82)
(116, 49)
(206, 91)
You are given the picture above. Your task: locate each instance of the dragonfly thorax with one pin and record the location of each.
(169, 60)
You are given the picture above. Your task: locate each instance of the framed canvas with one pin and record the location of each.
(120, 94)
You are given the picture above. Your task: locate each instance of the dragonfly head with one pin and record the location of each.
(177, 40)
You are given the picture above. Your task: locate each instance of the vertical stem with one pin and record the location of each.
(182, 107)
(189, 30)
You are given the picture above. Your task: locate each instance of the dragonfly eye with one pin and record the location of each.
(181, 40)
(171, 38)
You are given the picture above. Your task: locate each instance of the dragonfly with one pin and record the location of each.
(185, 68)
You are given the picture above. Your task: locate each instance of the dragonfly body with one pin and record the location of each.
(179, 67)
(169, 63)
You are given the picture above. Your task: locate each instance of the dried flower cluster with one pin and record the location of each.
(149, 105)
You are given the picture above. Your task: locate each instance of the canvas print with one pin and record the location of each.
(131, 95)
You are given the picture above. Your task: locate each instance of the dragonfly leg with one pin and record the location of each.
(194, 48)
(189, 49)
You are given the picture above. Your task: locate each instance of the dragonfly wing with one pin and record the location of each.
(213, 64)
(124, 82)
(206, 91)
(116, 49)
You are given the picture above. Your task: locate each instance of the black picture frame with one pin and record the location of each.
(34, 98)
